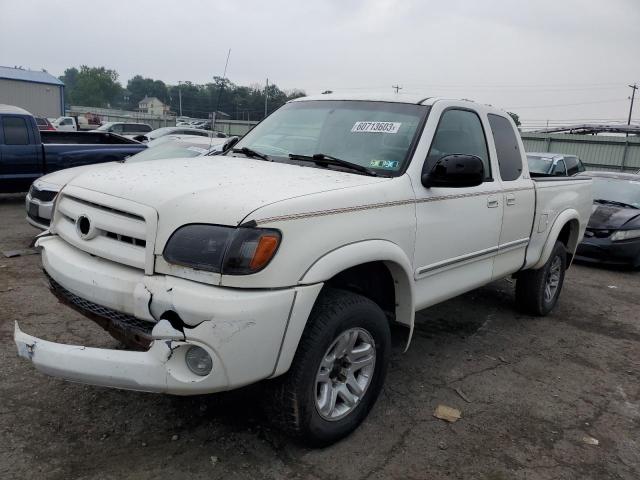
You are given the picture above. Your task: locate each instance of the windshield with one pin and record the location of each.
(539, 164)
(170, 149)
(617, 190)
(106, 126)
(375, 135)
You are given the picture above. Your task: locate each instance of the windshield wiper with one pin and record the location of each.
(252, 153)
(614, 202)
(323, 160)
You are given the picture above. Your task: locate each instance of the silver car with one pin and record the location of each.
(40, 199)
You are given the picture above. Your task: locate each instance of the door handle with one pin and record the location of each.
(492, 202)
(511, 199)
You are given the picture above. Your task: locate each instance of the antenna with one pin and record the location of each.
(215, 113)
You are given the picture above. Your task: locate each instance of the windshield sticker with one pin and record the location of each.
(198, 149)
(386, 164)
(376, 127)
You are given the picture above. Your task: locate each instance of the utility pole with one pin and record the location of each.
(266, 98)
(397, 88)
(633, 87)
(180, 95)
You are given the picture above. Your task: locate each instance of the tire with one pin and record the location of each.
(295, 404)
(531, 286)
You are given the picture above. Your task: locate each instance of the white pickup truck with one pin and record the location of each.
(288, 258)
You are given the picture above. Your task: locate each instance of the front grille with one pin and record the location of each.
(42, 195)
(128, 329)
(126, 239)
(592, 232)
(41, 220)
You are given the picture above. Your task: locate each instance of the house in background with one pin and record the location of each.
(153, 106)
(38, 92)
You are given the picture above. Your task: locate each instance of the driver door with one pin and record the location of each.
(458, 229)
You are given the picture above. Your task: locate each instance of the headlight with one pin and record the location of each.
(219, 249)
(625, 235)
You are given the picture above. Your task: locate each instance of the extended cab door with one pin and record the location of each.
(457, 228)
(20, 153)
(518, 196)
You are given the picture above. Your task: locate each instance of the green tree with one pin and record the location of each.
(140, 87)
(516, 118)
(92, 86)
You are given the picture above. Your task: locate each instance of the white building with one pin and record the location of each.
(153, 106)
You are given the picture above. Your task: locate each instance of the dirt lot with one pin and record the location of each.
(536, 387)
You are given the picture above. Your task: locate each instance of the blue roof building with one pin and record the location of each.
(38, 92)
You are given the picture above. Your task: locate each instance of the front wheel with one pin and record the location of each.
(537, 291)
(337, 372)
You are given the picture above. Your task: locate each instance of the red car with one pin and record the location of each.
(44, 124)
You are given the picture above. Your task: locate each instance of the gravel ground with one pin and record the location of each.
(536, 387)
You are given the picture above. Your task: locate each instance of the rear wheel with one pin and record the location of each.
(537, 291)
(337, 372)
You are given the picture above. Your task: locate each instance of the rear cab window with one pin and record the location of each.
(507, 147)
(15, 131)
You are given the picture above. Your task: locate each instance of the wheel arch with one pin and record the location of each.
(335, 269)
(566, 229)
(371, 252)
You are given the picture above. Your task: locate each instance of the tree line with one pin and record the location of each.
(99, 87)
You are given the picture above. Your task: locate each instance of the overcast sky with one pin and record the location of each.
(543, 59)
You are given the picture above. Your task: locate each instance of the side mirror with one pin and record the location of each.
(454, 171)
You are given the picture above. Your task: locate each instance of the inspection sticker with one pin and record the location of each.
(386, 164)
(376, 127)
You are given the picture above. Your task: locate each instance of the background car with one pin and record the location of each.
(44, 124)
(41, 196)
(613, 232)
(160, 132)
(554, 164)
(126, 129)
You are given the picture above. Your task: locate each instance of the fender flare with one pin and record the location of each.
(366, 251)
(566, 216)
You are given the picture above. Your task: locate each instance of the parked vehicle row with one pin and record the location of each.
(288, 257)
(160, 132)
(27, 153)
(40, 198)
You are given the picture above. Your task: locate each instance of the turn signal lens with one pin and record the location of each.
(250, 251)
(264, 251)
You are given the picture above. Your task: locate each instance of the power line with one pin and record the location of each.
(568, 104)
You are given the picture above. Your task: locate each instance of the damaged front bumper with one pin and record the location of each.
(160, 369)
(244, 331)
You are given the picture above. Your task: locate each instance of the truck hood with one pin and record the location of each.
(611, 217)
(213, 189)
(60, 178)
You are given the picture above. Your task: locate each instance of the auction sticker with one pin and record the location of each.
(386, 164)
(376, 127)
